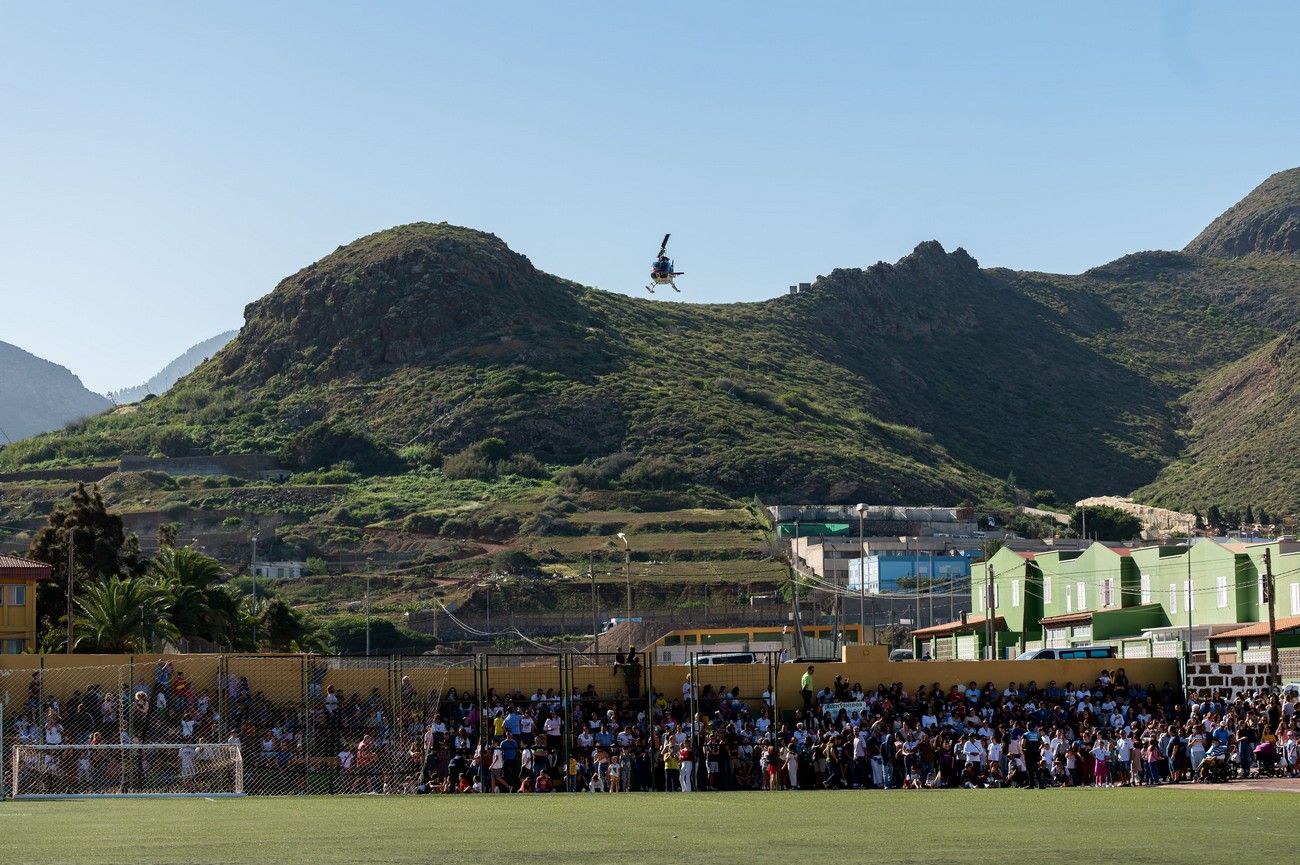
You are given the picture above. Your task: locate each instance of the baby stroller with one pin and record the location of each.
(1266, 759)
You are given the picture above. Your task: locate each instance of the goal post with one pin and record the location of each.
(154, 771)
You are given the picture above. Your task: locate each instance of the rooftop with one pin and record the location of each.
(18, 568)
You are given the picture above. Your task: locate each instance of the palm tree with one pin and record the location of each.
(200, 606)
(123, 614)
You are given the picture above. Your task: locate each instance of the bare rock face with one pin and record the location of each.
(416, 294)
(1266, 221)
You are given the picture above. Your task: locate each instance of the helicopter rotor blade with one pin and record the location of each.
(663, 247)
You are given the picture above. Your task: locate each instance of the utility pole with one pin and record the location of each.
(862, 578)
(916, 579)
(595, 624)
(367, 606)
(929, 584)
(1188, 599)
(252, 569)
(1270, 589)
(990, 604)
(72, 541)
(794, 577)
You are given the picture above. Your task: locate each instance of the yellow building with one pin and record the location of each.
(18, 579)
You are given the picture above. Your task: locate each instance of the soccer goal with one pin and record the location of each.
(193, 769)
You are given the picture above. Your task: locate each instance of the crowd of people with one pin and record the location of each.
(612, 736)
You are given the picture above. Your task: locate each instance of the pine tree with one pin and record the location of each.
(1250, 516)
(1214, 517)
(101, 549)
(1200, 521)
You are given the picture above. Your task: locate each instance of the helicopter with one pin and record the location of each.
(661, 271)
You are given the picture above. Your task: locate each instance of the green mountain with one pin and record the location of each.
(930, 379)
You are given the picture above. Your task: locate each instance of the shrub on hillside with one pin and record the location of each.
(327, 443)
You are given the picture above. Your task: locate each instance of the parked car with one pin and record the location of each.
(902, 655)
(1073, 653)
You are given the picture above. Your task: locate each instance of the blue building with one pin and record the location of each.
(884, 570)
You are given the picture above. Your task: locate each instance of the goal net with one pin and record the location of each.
(145, 771)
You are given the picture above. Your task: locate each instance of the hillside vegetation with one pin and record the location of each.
(434, 348)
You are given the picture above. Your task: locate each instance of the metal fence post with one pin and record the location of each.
(566, 721)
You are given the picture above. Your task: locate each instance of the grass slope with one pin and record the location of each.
(1243, 436)
(1084, 827)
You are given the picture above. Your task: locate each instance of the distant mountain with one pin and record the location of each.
(173, 372)
(37, 396)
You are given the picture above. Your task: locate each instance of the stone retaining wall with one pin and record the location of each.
(1235, 678)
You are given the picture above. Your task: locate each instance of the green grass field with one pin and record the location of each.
(1117, 827)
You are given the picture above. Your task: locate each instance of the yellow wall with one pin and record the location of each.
(284, 677)
(18, 623)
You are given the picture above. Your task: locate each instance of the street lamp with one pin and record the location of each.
(627, 571)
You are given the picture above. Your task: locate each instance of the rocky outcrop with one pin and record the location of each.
(1266, 221)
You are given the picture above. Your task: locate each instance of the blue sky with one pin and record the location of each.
(161, 165)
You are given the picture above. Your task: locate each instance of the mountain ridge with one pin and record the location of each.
(38, 395)
(929, 379)
(176, 369)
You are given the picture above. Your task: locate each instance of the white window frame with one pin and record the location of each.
(1082, 590)
(1221, 591)
(1173, 599)
(1295, 598)
(1047, 590)
(1015, 593)
(1146, 588)
(12, 595)
(1106, 591)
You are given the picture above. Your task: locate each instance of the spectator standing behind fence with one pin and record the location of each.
(806, 688)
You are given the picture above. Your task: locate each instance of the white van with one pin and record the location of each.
(1073, 653)
(725, 658)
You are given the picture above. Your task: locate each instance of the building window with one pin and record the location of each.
(1015, 593)
(15, 647)
(1069, 600)
(1173, 598)
(1047, 590)
(979, 598)
(16, 596)
(1146, 588)
(1295, 599)
(1261, 590)
(1105, 592)
(1083, 597)
(1221, 589)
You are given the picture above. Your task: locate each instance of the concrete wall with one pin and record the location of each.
(85, 474)
(240, 465)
